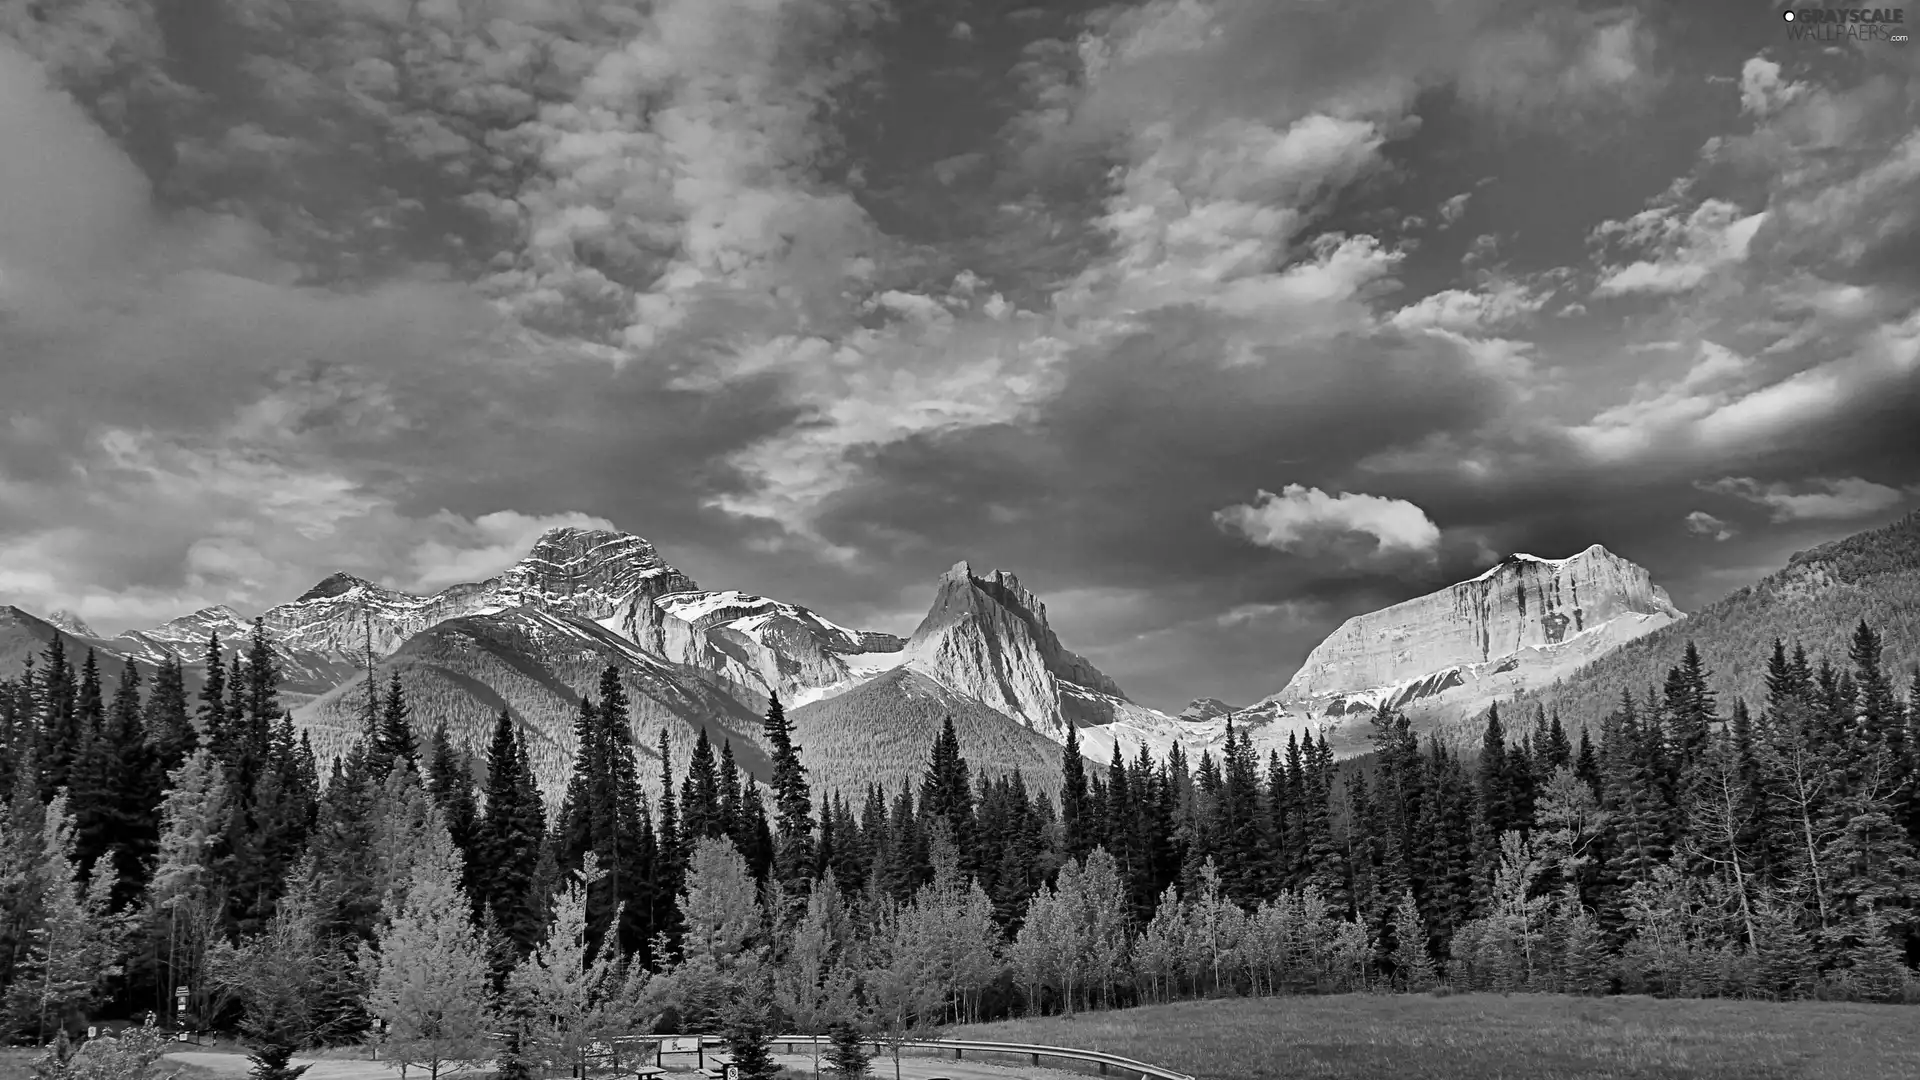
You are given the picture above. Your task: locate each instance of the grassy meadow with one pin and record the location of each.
(1494, 1037)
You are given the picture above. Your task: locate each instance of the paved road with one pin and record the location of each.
(912, 1067)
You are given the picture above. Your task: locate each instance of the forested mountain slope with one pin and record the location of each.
(1817, 600)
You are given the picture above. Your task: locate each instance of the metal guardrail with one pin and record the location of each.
(1108, 1063)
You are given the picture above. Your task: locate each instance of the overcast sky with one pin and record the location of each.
(1218, 321)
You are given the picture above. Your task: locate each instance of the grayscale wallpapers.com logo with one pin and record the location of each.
(1834, 25)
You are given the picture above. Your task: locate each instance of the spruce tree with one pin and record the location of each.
(212, 711)
(167, 725)
(849, 1055)
(450, 782)
(793, 805)
(58, 742)
(1076, 830)
(510, 838)
(670, 860)
(1496, 782)
(395, 742)
(700, 809)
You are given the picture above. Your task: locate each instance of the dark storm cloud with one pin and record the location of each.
(822, 301)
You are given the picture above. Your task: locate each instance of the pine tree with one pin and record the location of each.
(746, 1025)
(75, 944)
(849, 1054)
(1075, 827)
(730, 792)
(58, 722)
(167, 725)
(793, 805)
(212, 711)
(450, 782)
(427, 976)
(670, 862)
(188, 894)
(561, 992)
(700, 809)
(1413, 967)
(124, 810)
(262, 698)
(1496, 793)
(286, 977)
(395, 741)
(510, 838)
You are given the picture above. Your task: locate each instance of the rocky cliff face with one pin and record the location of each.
(1524, 622)
(987, 637)
(765, 646)
(605, 577)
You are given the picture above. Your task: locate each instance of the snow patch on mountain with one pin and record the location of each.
(766, 646)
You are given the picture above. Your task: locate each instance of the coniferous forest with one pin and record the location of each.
(193, 859)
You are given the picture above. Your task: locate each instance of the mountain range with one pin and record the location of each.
(1566, 632)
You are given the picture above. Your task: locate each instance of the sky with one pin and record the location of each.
(1217, 321)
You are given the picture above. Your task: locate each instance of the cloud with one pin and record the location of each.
(1701, 523)
(1820, 499)
(1762, 90)
(1500, 303)
(1663, 411)
(1454, 208)
(1685, 250)
(455, 549)
(1301, 519)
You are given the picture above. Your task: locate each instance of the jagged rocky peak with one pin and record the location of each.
(66, 620)
(1523, 604)
(1206, 708)
(597, 571)
(338, 583)
(987, 636)
(999, 605)
(765, 645)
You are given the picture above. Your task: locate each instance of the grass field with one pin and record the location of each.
(1491, 1037)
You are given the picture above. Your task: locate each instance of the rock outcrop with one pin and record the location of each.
(605, 577)
(764, 645)
(1519, 626)
(71, 623)
(986, 636)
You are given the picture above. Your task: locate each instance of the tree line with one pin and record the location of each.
(151, 843)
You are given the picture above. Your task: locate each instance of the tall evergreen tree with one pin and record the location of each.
(59, 738)
(793, 805)
(700, 810)
(1077, 838)
(511, 835)
(166, 722)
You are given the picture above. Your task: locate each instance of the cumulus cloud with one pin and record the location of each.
(391, 289)
(456, 549)
(1303, 519)
(1701, 523)
(1817, 499)
(1679, 251)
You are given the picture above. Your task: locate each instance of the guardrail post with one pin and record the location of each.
(1103, 1068)
(1036, 1059)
